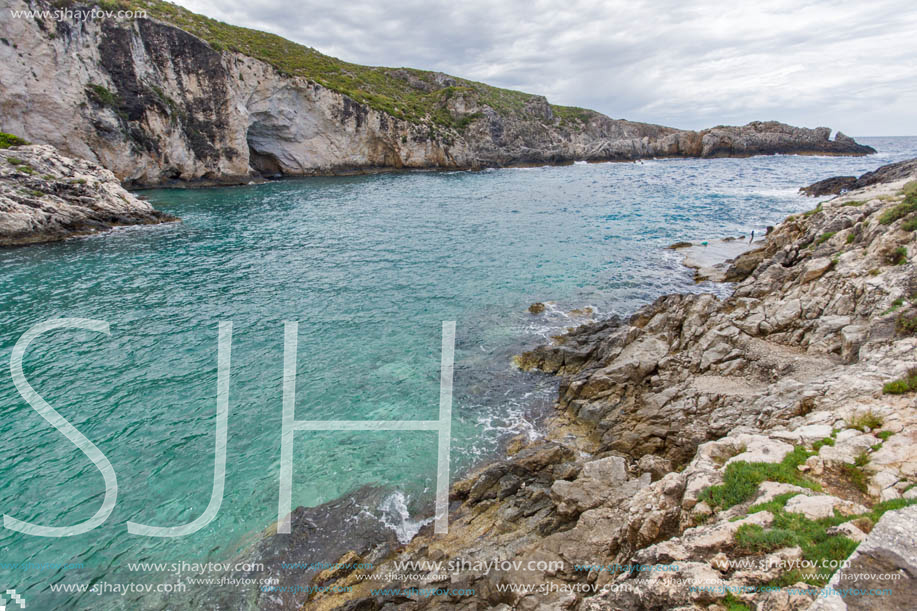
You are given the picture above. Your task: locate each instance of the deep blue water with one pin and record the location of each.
(369, 266)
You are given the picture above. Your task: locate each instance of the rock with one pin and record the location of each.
(759, 448)
(898, 454)
(536, 308)
(821, 506)
(816, 268)
(45, 196)
(768, 491)
(744, 265)
(847, 529)
(887, 560)
(829, 186)
(656, 466)
(805, 434)
(610, 471)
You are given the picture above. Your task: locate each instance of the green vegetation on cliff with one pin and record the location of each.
(8, 140)
(418, 96)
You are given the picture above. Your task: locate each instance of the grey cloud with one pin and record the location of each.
(847, 64)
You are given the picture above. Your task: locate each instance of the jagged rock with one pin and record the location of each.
(848, 530)
(830, 186)
(45, 196)
(820, 506)
(886, 560)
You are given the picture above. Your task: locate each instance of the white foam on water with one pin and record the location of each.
(554, 320)
(395, 516)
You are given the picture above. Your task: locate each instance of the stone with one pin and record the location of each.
(829, 186)
(609, 471)
(819, 506)
(759, 448)
(805, 434)
(816, 268)
(886, 559)
(848, 530)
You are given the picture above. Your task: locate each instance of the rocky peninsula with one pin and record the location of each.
(747, 446)
(177, 98)
(45, 197)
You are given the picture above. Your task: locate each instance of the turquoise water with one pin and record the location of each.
(369, 266)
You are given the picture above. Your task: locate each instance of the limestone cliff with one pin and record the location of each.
(155, 103)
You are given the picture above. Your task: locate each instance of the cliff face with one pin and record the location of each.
(154, 103)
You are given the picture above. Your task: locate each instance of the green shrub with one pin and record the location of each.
(906, 325)
(857, 476)
(900, 211)
(897, 303)
(898, 256)
(813, 211)
(734, 604)
(8, 140)
(903, 386)
(795, 530)
(102, 95)
(910, 224)
(824, 237)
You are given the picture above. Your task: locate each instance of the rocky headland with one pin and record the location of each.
(755, 444)
(177, 98)
(45, 197)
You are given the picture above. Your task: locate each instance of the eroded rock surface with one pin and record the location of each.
(45, 196)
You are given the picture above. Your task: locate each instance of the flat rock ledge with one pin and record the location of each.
(45, 197)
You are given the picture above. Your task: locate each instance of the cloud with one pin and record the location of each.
(847, 64)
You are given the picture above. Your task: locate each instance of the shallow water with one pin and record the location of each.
(369, 266)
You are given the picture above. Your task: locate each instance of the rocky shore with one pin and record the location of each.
(178, 99)
(45, 197)
(746, 448)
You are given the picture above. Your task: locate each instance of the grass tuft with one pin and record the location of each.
(741, 479)
(904, 385)
(900, 211)
(866, 420)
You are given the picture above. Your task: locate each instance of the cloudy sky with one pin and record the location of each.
(850, 65)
